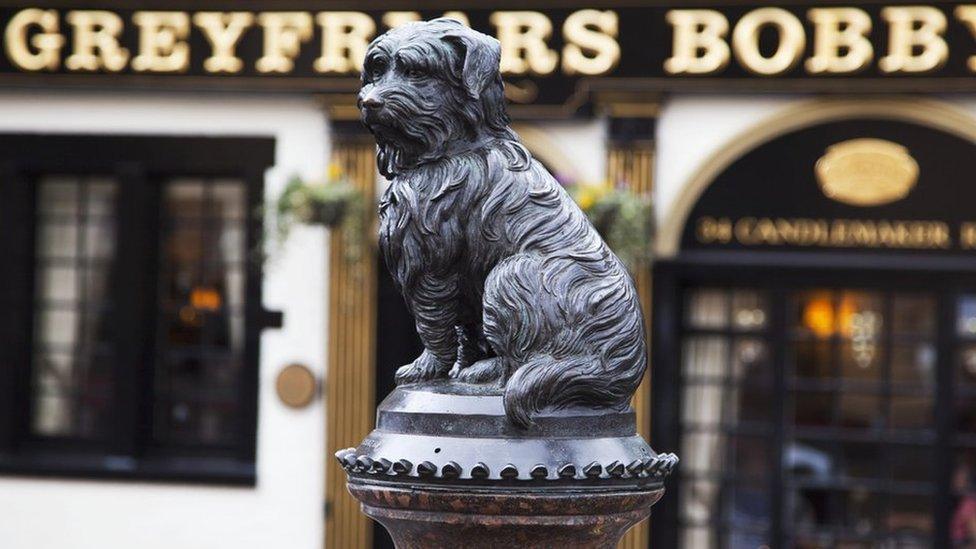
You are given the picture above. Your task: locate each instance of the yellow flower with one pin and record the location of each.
(590, 193)
(334, 171)
(585, 198)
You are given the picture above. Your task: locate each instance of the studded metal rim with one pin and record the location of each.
(659, 466)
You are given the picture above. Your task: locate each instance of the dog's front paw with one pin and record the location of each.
(489, 370)
(425, 368)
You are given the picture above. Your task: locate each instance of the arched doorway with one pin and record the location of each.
(815, 332)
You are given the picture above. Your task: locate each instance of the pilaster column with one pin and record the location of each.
(630, 161)
(351, 370)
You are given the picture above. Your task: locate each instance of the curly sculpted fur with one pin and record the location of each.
(507, 280)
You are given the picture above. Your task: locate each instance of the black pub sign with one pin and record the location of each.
(856, 186)
(550, 55)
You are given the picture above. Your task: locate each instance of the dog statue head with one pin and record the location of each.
(431, 90)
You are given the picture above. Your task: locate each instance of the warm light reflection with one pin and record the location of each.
(205, 299)
(819, 317)
(849, 321)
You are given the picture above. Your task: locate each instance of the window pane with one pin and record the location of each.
(911, 463)
(811, 459)
(814, 314)
(966, 413)
(727, 414)
(812, 358)
(705, 453)
(703, 404)
(913, 315)
(706, 357)
(912, 412)
(910, 520)
(708, 308)
(813, 408)
(750, 362)
(58, 195)
(750, 513)
(699, 500)
(914, 365)
(749, 310)
(73, 353)
(749, 404)
(966, 366)
(860, 322)
(58, 238)
(966, 316)
(56, 283)
(200, 338)
(860, 410)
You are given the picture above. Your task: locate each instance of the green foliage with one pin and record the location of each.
(623, 218)
(335, 203)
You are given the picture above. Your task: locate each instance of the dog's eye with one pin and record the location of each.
(377, 68)
(416, 73)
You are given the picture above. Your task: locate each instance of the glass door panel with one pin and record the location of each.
(727, 419)
(860, 386)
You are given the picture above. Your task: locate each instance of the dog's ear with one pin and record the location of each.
(480, 55)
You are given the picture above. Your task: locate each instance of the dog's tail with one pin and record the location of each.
(541, 382)
(573, 339)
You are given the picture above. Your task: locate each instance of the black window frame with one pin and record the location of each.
(946, 279)
(139, 163)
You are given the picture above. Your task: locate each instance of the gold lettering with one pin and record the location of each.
(223, 31)
(745, 41)
(915, 42)
(458, 16)
(840, 43)
(591, 42)
(711, 230)
(967, 235)
(284, 32)
(46, 44)
(393, 19)
(345, 35)
(523, 36)
(967, 14)
(837, 233)
(941, 237)
(162, 41)
(699, 45)
(743, 230)
(95, 44)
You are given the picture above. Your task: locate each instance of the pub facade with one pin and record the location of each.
(811, 300)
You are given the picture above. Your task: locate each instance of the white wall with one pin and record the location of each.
(693, 128)
(578, 144)
(285, 509)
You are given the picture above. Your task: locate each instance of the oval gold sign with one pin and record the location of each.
(866, 172)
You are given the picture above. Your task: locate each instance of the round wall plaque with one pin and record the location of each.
(296, 386)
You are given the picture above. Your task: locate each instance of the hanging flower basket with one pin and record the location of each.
(623, 218)
(333, 203)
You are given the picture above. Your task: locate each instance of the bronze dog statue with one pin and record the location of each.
(509, 283)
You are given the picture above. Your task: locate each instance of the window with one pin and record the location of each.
(726, 419)
(818, 414)
(132, 305)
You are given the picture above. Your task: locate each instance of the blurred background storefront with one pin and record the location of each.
(176, 374)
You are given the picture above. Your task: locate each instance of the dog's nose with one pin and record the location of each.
(372, 102)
